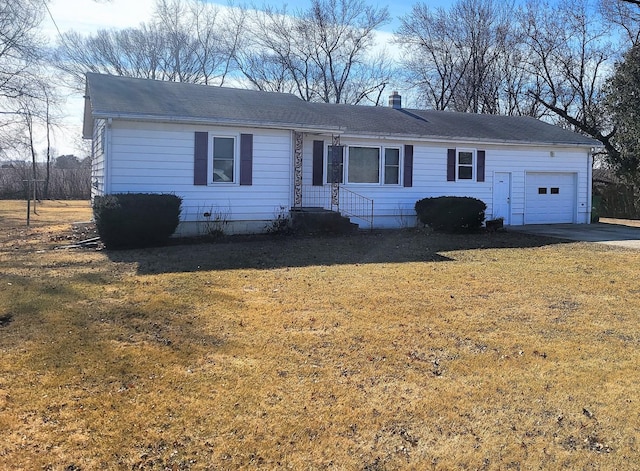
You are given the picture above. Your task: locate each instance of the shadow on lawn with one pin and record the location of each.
(268, 251)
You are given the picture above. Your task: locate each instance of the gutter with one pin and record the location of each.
(220, 122)
(465, 140)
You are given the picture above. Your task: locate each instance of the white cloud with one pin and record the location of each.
(86, 17)
(89, 16)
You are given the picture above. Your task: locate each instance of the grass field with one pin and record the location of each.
(375, 351)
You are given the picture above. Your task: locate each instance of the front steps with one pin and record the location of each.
(320, 220)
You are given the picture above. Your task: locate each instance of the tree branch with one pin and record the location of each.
(581, 125)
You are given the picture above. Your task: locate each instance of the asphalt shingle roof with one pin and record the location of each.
(124, 97)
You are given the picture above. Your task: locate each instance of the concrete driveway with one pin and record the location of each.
(616, 232)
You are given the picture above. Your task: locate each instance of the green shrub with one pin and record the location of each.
(451, 213)
(129, 220)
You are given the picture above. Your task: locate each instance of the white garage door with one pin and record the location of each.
(550, 198)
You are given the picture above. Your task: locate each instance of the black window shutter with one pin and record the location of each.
(318, 161)
(481, 158)
(451, 165)
(200, 158)
(246, 159)
(408, 166)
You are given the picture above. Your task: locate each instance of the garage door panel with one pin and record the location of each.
(550, 198)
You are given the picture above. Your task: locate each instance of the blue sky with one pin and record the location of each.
(88, 16)
(396, 9)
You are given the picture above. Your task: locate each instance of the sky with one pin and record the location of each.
(88, 16)
(85, 16)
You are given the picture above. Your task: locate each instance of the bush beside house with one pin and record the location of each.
(130, 220)
(451, 213)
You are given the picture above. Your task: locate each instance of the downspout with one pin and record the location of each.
(107, 156)
(589, 184)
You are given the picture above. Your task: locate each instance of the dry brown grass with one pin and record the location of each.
(399, 350)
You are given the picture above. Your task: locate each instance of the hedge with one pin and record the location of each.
(131, 220)
(451, 213)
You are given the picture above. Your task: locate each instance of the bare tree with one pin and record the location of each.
(323, 53)
(35, 117)
(432, 57)
(466, 57)
(19, 45)
(483, 29)
(570, 54)
(19, 56)
(624, 14)
(185, 41)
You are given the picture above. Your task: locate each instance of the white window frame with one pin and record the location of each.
(378, 148)
(472, 165)
(384, 166)
(346, 150)
(236, 157)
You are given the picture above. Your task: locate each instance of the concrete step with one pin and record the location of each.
(319, 220)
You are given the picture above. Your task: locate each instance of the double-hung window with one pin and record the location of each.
(391, 166)
(224, 150)
(466, 165)
(465, 160)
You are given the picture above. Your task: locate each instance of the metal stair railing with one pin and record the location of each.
(354, 205)
(317, 197)
(349, 203)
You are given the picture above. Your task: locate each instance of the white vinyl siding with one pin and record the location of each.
(393, 205)
(98, 162)
(159, 158)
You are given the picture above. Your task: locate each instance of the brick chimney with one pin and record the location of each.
(395, 101)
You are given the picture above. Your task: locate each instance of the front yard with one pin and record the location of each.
(375, 351)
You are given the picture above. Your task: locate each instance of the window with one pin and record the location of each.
(391, 166)
(465, 165)
(335, 164)
(364, 165)
(555, 191)
(542, 191)
(223, 159)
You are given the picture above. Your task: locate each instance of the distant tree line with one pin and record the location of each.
(570, 62)
(69, 179)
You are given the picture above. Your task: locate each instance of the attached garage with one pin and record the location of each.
(550, 198)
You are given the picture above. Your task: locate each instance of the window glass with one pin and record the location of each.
(335, 172)
(465, 158)
(364, 165)
(391, 166)
(542, 191)
(223, 159)
(555, 191)
(465, 173)
(465, 165)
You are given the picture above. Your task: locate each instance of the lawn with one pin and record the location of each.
(374, 351)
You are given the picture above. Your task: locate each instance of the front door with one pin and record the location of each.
(502, 196)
